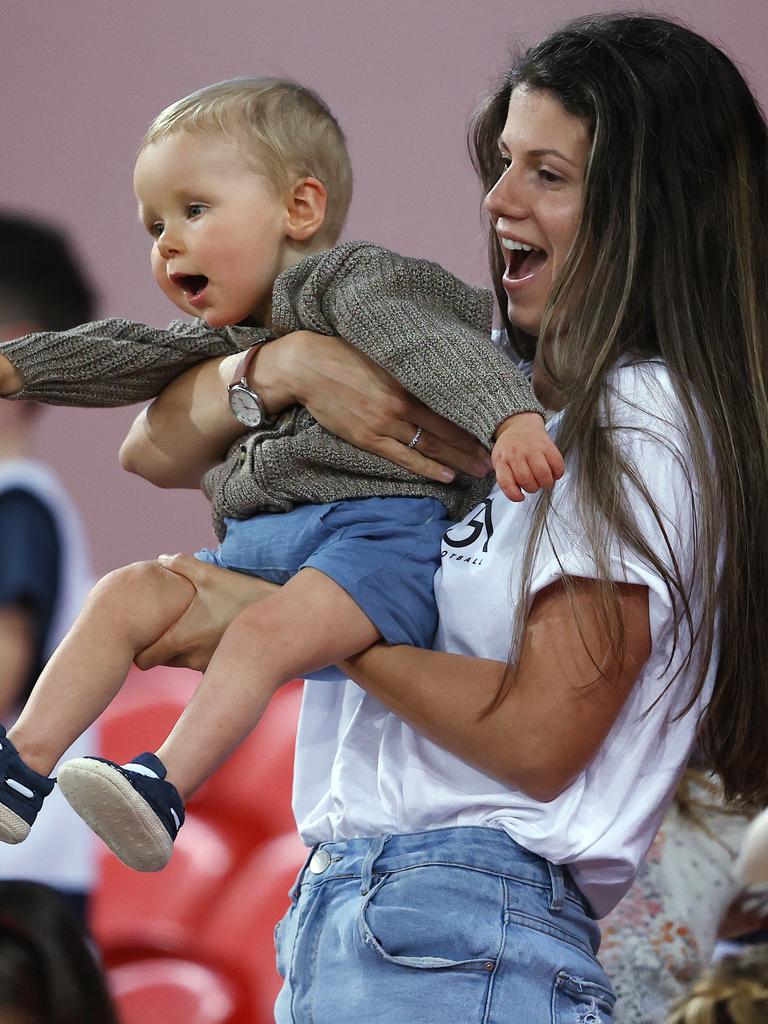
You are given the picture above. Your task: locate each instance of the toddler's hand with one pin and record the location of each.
(525, 458)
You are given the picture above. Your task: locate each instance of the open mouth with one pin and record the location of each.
(524, 259)
(191, 284)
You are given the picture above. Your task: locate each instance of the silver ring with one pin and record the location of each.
(415, 439)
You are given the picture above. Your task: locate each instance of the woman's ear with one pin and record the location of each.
(305, 205)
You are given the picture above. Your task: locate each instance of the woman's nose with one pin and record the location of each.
(505, 199)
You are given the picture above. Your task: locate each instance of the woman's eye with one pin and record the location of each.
(506, 163)
(549, 176)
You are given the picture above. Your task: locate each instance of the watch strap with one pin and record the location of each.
(241, 371)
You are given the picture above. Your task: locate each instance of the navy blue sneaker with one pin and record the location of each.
(22, 792)
(131, 806)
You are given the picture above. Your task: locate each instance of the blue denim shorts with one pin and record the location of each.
(452, 926)
(382, 551)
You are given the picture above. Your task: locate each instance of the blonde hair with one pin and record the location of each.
(283, 127)
(734, 991)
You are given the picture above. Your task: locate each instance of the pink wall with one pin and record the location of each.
(82, 79)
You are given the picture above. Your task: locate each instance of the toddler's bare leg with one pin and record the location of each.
(310, 623)
(124, 613)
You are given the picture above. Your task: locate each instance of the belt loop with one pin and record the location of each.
(294, 893)
(366, 873)
(557, 893)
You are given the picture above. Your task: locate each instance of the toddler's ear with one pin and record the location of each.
(305, 206)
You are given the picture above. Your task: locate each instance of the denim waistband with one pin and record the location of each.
(476, 847)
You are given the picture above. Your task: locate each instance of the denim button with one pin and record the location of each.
(319, 862)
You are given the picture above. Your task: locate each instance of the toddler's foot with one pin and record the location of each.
(22, 792)
(131, 806)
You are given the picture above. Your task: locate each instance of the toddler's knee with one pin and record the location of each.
(129, 583)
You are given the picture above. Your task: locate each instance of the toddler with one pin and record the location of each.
(243, 187)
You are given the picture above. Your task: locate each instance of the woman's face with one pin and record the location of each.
(536, 203)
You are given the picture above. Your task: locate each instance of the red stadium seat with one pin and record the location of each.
(160, 911)
(239, 929)
(174, 992)
(145, 710)
(249, 797)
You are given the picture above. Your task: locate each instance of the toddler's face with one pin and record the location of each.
(218, 227)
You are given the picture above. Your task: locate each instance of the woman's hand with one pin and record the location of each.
(353, 397)
(220, 595)
(189, 426)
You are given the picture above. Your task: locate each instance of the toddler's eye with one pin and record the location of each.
(156, 229)
(195, 209)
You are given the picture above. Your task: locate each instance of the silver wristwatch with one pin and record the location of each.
(246, 404)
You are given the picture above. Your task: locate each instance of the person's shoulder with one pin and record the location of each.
(642, 393)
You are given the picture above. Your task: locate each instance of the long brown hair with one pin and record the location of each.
(670, 262)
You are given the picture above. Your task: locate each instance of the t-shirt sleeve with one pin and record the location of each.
(648, 427)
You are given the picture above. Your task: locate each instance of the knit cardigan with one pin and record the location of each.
(417, 321)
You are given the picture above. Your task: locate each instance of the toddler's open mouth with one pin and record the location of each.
(191, 284)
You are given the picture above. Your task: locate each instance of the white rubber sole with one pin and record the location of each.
(751, 867)
(13, 829)
(111, 807)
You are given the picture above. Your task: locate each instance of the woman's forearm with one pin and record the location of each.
(189, 426)
(554, 719)
(186, 430)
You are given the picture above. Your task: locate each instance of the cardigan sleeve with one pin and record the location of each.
(116, 362)
(426, 327)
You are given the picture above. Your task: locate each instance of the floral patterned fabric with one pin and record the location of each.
(662, 934)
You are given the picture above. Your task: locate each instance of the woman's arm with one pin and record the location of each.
(546, 730)
(557, 714)
(188, 427)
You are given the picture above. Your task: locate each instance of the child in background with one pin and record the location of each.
(243, 187)
(662, 934)
(733, 991)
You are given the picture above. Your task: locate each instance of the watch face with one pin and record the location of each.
(245, 406)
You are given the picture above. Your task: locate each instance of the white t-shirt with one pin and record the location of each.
(360, 770)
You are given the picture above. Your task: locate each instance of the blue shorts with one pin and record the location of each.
(382, 551)
(453, 925)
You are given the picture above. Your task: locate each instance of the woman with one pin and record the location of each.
(475, 806)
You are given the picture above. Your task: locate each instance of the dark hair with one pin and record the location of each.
(670, 261)
(40, 278)
(47, 972)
